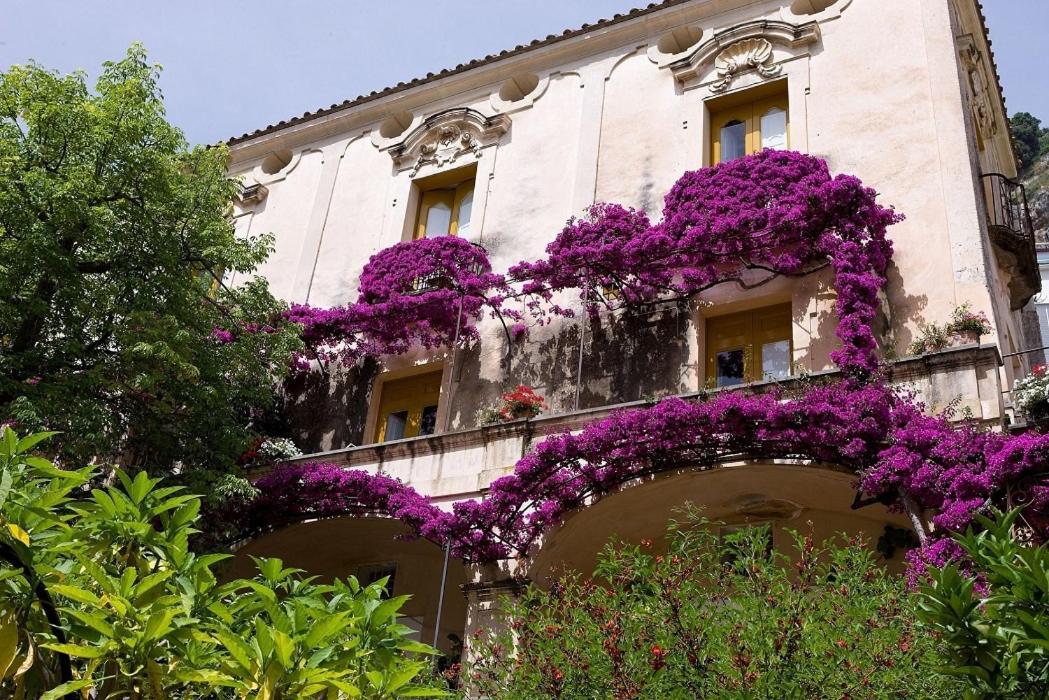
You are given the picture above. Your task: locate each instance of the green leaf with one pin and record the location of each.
(77, 650)
(240, 651)
(59, 692)
(30, 441)
(76, 593)
(424, 693)
(158, 625)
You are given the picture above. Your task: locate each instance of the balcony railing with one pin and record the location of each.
(1007, 207)
(1011, 230)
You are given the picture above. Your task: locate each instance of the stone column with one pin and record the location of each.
(488, 589)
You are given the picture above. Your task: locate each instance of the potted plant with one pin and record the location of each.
(1031, 394)
(522, 402)
(966, 326)
(931, 337)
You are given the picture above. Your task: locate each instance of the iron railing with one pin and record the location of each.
(1007, 209)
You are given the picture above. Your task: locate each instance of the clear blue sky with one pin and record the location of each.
(232, 66)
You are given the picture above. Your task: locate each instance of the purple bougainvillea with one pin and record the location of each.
(869, 428)
(770, 214)
(774, 213)
(427, 292)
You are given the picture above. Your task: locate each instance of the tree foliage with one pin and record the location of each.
(114, 238)
(994, 614)
(715, 618)
(1030, 140)
(103, 594)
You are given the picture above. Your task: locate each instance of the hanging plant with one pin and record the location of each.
(428, 292)
(748, 221)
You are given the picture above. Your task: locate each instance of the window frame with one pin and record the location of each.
(450, 188)
(750, 112)
(415, 403)
(749, 331)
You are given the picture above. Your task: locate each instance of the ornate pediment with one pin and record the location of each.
(447, 136)
(748, 54)
(742, 49)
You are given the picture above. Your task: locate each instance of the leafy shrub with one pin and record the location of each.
(715, 618)
(993, 616)
(102, 595)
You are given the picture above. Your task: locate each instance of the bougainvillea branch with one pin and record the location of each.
(776, 213)
(427, 292)
(868, 429)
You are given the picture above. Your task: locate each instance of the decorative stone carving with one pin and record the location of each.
(743, 48)
(979, 88)
(447, 136)
(742, 56)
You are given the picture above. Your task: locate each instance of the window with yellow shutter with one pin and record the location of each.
(446, 204)
(408, 407)
(749, 122)
(749, 347)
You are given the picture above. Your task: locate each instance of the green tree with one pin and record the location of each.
(715, 618)
(103, 594)
(994, 619)
(114, 239)
(1028, 138)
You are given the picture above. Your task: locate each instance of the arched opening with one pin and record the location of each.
(370, 548)
(395, 125)
(806, 499)
(519, 87)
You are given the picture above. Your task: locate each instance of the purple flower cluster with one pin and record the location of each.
(426, 292)
(775, 212)
(868, 428)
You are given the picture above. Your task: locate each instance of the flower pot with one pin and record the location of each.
(960, 338)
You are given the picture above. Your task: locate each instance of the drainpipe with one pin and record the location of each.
(440, 594)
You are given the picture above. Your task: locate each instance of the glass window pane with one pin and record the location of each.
(395, 425)
(733, 141)
(428, 421)
(438, 220)
(775, 360)
(730, 367)
(465, 209)
(774, 129)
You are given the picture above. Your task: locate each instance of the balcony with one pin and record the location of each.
(1011, 232)
(461, 464)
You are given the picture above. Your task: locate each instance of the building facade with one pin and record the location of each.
(503, 150)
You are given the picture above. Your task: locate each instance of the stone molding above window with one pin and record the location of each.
(447, 137)
(755, 48)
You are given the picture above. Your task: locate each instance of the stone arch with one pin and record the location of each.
(787, 494)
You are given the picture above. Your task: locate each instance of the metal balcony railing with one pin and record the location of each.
(1007, 209)
(1012, 233)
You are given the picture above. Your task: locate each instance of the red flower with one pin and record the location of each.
(659, 657)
